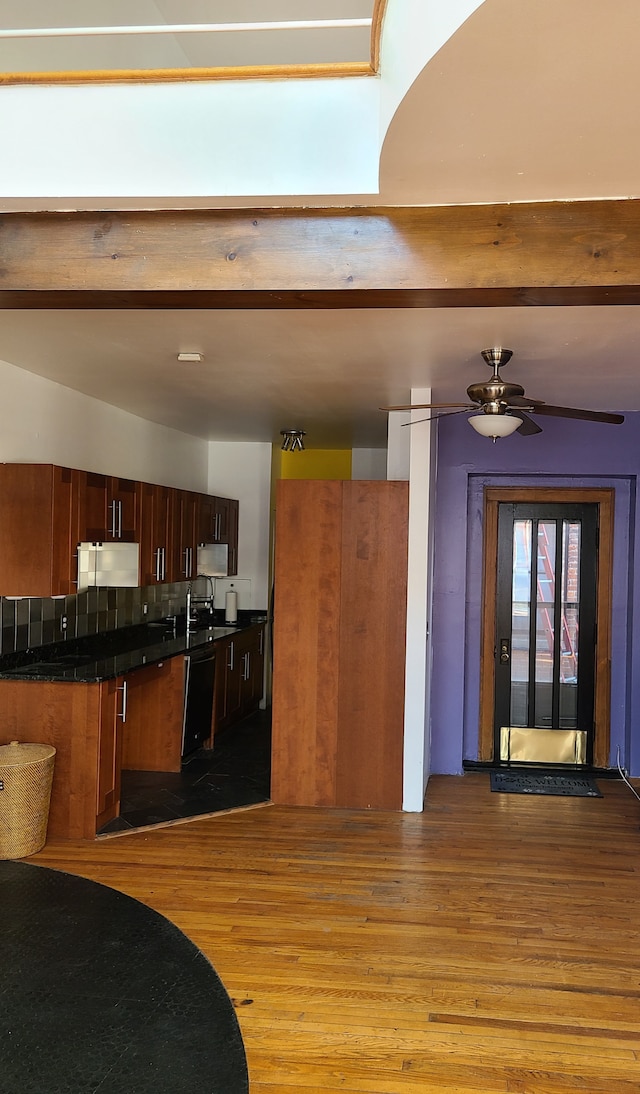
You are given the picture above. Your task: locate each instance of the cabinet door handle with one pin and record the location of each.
(120, 519)
(164, 562)
(123, 713)
(157, 562)
(112, 514)
(185, 568)
(245, 665)
(231, 656)
(261, 641)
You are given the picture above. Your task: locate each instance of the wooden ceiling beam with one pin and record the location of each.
(556, 253)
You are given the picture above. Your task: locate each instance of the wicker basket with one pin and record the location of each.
(26, 772)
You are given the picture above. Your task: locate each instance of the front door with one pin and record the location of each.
(542, 675)
(545, 618)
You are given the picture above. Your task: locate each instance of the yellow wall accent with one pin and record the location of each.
(315, 464)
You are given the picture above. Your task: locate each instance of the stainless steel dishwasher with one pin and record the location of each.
(200, 667)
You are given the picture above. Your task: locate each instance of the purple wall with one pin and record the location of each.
(566, 453)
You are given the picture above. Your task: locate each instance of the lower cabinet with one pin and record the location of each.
(239, 676)
(140, 728)
(81, 722)
(109, 751)
(132, 722)
(153, 699)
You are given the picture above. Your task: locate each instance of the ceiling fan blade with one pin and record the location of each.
(521, 400)
(428, 406)
(528, 427)
(435, 417)
(585, 415)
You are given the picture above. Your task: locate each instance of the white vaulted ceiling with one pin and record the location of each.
(532, 101)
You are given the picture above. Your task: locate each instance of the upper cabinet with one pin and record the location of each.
(185, 520)
(109, 509)
(46, 511)
(38, 530)
(217, 523)
(157, 562)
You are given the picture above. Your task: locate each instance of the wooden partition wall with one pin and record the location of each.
(339, 643)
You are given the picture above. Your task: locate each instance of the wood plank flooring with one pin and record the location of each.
(491, 944)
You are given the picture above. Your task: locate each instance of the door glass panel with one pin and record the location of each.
(545, 629)
(520, 621)
(570, 611)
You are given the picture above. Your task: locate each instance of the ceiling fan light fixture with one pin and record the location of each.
(292, 440)
(495, 425)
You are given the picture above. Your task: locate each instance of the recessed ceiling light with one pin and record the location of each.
(191, 356)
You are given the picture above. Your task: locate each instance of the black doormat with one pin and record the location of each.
(524, 782)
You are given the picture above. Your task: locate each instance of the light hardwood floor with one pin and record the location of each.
(489, 944)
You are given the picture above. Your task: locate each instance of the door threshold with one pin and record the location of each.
(469, 766)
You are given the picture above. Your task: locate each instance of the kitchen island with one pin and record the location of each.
(116, 700)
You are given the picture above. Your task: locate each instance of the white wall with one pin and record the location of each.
(369, 463)
(44, 422)
(194, 139)
(416, 714)
(412, 33)
(225, 138)
(243, 471)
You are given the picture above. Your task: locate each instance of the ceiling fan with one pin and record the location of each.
(502, 408)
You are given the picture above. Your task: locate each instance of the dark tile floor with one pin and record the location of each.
(234, 773)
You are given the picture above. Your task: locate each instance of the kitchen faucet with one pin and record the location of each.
(192, 611)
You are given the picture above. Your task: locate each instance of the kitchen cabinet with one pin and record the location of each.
(38, 530)
(185, 556)
(109, 747)
(251, 657)
(239, 682)
(339, 643)
(217, 522)
(108, 508)
(156, 538)
(132, 721)
(232, 563)
(47, 510)
(153, 703)
(80, 721)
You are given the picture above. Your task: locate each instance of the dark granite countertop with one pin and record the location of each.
(113, 653)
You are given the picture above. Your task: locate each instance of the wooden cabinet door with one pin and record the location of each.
(108, 508)
(232, 539)
(227, 695)
(109, 751)
(186, 513)
(38, 530)
(222, 520)
(92, 504)
(122, 510)
(251, 657)
(152, 724)
(156, 538)
(233, 681)
(206, 518)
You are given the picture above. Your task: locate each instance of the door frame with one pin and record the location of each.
(604, 498)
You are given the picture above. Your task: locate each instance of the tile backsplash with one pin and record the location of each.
(31, 621)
